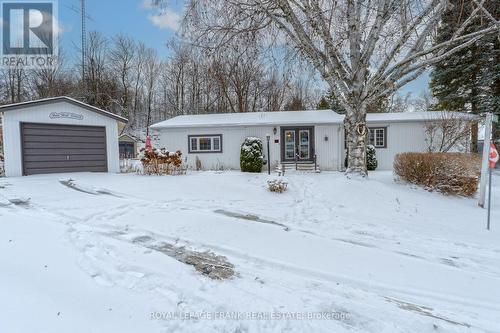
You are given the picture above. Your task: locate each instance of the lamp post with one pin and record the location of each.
(268, 137)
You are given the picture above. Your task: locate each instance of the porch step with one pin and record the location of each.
(304, 167)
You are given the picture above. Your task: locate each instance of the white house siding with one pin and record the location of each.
(328, 151)
(174, 139)
(401, 137)
(40, 114)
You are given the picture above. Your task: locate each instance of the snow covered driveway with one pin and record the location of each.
(348, 255)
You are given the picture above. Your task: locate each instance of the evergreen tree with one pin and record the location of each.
(252, 156)
(323, 104)
(371, 158)
(330, 101)
(470, 79)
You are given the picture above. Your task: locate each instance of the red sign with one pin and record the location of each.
(493, 156)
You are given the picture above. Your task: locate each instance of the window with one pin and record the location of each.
(377, 136)
(205, 143)
(127, 149)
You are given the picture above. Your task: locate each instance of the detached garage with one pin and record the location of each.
(57, 135)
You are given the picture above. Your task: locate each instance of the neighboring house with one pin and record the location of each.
(215, 139)
(128, 146)
(59, 134)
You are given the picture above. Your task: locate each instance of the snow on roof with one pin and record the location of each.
(253, 119)
(21, 105)
(309, 117)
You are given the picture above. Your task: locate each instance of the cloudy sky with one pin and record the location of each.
(139, 20)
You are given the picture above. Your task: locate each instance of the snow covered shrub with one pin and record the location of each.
(277, 185)
(448, 173)
(371, 158)
(251, 158)
(161, 162)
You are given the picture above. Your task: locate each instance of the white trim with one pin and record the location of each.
(196, 139)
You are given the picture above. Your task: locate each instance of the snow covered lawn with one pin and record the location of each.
(358, 256)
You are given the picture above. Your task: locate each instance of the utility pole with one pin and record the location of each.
(84, 41)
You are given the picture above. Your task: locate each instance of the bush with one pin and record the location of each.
(371, 158)
(161, 162)
(251, 158)
(448, 173)
(277, 185)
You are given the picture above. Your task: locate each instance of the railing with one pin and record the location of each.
(281, 169)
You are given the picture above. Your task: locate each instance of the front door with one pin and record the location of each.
(297, 142)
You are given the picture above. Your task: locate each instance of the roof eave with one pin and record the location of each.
(17, 106)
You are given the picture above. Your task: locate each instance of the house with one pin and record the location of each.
(314, 136)
(128, 146)
(59, 134)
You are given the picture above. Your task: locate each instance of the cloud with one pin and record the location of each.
(166, 19)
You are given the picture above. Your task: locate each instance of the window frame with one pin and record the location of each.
(375, 129)
(204, 136)
(384, 128)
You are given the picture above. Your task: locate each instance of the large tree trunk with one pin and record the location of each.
(474, 109)
(474, 137)
(357, 133)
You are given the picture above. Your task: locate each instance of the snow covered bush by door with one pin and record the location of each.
(251, 158)
(371, 158)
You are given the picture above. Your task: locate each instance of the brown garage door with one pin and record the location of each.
(49, 148)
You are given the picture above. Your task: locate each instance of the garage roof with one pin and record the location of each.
(17, 106)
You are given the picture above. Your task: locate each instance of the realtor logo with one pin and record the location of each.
(29, 32)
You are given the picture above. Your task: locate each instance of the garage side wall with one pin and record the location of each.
(42, 114)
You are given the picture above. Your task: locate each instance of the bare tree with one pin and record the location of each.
(447, 130)
(122, 59)
(53, 81)
(424, 101)
(151, 67)
(399, 103)
(363, 49)
(99, 87)
(14, 83)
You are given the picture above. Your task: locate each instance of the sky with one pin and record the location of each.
(139, 20)
(134, 18)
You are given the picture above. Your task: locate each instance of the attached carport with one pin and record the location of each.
(57, 135)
